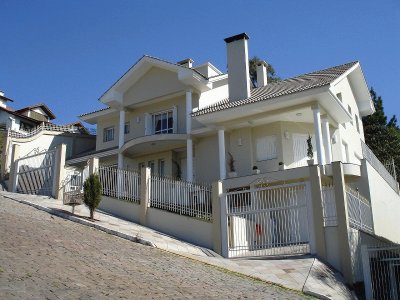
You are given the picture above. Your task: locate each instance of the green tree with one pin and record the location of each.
(271, 74)
(92, 193)
(381, 136)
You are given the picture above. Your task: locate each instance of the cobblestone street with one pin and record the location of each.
(46, 257)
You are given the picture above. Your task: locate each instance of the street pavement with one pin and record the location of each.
(46, 257)
(306, 274)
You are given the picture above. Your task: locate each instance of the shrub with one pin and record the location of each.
(92, 193)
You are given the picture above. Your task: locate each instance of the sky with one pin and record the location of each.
(66, 54)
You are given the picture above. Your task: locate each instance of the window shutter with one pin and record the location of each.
(266, 148)
(175, 119)
(147, 124)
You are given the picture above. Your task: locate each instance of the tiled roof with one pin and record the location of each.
(92, 112)
(43, 106)
(281, 88)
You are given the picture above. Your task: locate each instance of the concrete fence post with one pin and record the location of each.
(145, 186)
(342, 221)
(317, 214)
(93, 165)
(59, 172)
(216, 216)
(14, 168)
(366, 272)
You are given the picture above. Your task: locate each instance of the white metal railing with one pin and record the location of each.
(329, 206)
(43, 127)
(181, 197)
(119, 183)
(378, 166)
(268, 221)
(73, 189)
(359, 210)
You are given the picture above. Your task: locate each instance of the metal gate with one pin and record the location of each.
(35, 173)
(268, 221)
(381, 268)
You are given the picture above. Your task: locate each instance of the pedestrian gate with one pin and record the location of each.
(35, 173)
(270, 220)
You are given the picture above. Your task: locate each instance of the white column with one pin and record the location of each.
(318, 135)
(189, 142)
(121, 137)
(221, 149)
(327, 139)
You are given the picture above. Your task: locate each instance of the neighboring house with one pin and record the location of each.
(30, 128)
(199, 124)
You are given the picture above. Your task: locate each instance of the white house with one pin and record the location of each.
(196, 122)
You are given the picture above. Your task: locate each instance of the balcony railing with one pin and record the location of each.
(379, 167)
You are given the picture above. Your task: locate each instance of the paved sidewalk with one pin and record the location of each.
(305, 274)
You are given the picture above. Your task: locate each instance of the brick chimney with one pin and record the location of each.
(238, 67)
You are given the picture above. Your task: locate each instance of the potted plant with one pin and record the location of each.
(231, 166)
(310, 151)
(281, 166)
(256, 170)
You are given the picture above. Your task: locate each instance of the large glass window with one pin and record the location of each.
(163, 122)
(108, 134)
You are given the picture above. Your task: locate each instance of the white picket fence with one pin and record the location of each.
(119, 183)
(181, 197)
(329, 206)
(359, 211)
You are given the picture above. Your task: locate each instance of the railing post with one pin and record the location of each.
(366, 272)
(342, 221)
(218, 215)
(59, 165)
(318, 238)
(14, 168)
(145, 186)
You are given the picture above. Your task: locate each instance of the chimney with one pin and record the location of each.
(188, 62)
(238, 67)
(262, 74)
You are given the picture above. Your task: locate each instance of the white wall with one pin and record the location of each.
(385, 206)
(189, 229)
(124, 209)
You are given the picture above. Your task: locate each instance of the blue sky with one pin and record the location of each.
(67, 53)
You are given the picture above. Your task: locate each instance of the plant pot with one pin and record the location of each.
(281, 167)
(311, 162)
(232, 174)
(256, 172)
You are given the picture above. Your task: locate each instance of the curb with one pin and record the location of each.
(125, 236)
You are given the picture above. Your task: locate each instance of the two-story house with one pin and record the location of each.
(179, 118)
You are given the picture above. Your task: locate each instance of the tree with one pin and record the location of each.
(92, 193)
(271, 74)
(381, 136)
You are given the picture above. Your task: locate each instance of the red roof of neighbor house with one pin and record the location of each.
(43, 106)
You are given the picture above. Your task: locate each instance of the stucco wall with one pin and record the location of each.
(207, 160)
(385, 206)
(189, 229)
(124, 209)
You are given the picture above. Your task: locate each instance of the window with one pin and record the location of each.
(357, 124)
(266, 148)
(127, 127)
(161, 167)
(108, 134)
(163, 122)
(349, 109)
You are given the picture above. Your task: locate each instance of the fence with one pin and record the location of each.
(268, 221)
(119, 183)
(35, 173)
(329, 206)
(46, 126)
(181, 197)
(381, 268)
(378, 166)
(73, 189)
(359, 211)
